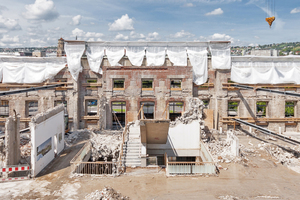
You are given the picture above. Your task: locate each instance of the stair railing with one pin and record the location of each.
(124, 135)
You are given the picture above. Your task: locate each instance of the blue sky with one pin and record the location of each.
(25, 23)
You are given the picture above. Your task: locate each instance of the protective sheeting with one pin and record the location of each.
(177, 55)
(272, 72)
(114, 55)
(156, 55)
(29, 70)
(95, 55)
(198, 59)
(135, 54)
(220, 55)
(74, 52)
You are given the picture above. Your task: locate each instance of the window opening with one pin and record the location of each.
(32, 108)
(175, 83)
(118, 114)
(233, 108)
(206, 103)
(147, 83)
(4, 109)
(148, 110)
(94, 80)
(175, 110)
(91, 107)
(289, 109)
(261, 109)
(118, 83)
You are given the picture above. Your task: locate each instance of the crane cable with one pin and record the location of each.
(270, 11)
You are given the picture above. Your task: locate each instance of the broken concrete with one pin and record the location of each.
(106, 193)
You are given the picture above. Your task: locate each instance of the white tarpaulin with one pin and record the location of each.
(135, 54)
(95, 53)
(198, 59)
(177, 55)
(155, 56)
(74, 52)
(114, 54)
(29, 70)
(265, 72)
(220, 55)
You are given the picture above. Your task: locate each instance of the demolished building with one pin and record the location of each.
(107, 83)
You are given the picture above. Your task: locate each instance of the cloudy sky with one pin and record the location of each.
(26, 23)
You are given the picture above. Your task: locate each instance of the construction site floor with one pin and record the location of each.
(261, 178)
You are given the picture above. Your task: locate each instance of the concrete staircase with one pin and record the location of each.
(132, 147)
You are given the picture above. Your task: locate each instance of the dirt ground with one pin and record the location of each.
(260, 178)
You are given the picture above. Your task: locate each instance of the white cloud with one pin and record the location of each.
(218, 36)
(188, 5)
(37, 42)
(8, 24)
(82, 35)
(121, 37)
(152, 36)
(122, 24)
(7, 39)
(295, 10)
(2, 8)
(182, 34)
(76, 20)
(217, 11)
(41, 11)
(256, 37)
(135, 35)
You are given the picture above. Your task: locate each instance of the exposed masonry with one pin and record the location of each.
(78, 93)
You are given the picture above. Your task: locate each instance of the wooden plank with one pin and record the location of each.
(209, 120)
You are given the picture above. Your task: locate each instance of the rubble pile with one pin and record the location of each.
(25, 147)
(105, 194)
(195, 112)
(221, 151)
(283, 157)
(105, 147)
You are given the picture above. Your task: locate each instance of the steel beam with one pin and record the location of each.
(30, 89)
(266, 90)
(266, 131)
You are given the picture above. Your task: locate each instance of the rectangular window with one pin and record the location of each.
(59, 102)
(233, 108)
(289, 109)
(31, 108)
(175, 84)
(206, 103)
(118, 84)
(118, 114)
(175, 110)
(92, 80)
(261, 108)
(91, 107)
(148, 109)
(4, 108)
(147, 84)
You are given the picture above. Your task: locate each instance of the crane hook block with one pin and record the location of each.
(270, 20)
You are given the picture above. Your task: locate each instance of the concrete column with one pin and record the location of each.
(12, 140)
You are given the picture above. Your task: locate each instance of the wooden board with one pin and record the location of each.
(209, 120)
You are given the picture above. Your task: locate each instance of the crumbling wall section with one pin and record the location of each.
(12, 140)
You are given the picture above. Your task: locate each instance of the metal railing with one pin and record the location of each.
(95, 167)
(185, 168)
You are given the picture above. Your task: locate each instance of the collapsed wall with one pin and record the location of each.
(12, 140)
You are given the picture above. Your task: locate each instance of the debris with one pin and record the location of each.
(105, 194)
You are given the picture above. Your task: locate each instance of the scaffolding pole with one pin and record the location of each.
(266, 90)
(266, 131)
(30, 89)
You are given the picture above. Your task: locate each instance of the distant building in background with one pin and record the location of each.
(269, 52)
(37, 53)
(23, 53)
(61, 47)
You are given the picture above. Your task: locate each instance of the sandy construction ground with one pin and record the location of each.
(260, 177)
